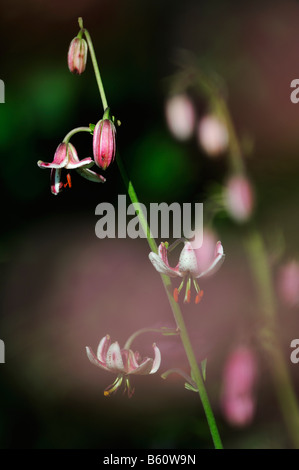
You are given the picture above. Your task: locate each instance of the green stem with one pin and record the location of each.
(96, 69)
(75, 131)
(176, 312)
(166, 281)
(268, 335)
(163, 331)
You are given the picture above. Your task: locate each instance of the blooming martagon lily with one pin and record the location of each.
(123, 362)
(66, 157)
(187, 268)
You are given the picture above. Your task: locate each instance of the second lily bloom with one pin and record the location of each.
(187, 268)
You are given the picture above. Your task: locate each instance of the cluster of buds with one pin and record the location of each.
(212, 133)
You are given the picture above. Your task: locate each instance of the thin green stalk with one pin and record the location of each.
(177, 314)
(96, 69)
(166, 281)
(268, 336)
(75, 131)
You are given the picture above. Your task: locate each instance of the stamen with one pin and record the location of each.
(177, 291)
(199, 297)
(68, 182)
(188, 291)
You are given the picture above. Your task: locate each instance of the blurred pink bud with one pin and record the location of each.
(180, 116)
(212, 135)
(288, 283)
(77, 55)
(239, 378)
(239, 198)
(104, 145)
(206, 253)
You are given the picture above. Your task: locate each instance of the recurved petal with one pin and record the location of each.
(103, 347)
(91, 175)
(55, 179)
(144, 368)
(114, 360)
(73, 159)
(93, 359)
(161, 266)
(217, 262)
(60, 158)
(157, 359)
(86, 163)
(132, 361)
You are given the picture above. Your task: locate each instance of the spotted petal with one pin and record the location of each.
(161, 266)
(114, 360)
(103, 347)
(94, 360)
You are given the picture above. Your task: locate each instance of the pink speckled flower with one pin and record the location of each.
(66, 157)
(123, 362)
(77, 55)
(239, 378)
(187, 268)
(239, 198)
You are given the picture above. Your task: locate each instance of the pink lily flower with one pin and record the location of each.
(123, 362)
(187, 268)
(66, 157)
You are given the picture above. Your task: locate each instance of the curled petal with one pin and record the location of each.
(60, 158)
(73, 159)
(132, 361)
(161, 266)
(157, 359)
(144, 368)
(103, 347)
(94, 360)
(91, 175)
(56, 184)
(218, 260)
(86, 163)
(114, 360)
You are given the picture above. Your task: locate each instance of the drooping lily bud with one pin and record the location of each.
(180, 116)
(239, 198)
(104, 143)
(77, 55)
(238, 400)
(212, 136)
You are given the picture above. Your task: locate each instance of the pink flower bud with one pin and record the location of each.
(239, 378)
(77, 55)
(212, 135)
(288, 283)
(180, 116)
(104, 146)
(239, 198)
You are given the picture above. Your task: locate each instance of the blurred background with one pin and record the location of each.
(62, 288)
